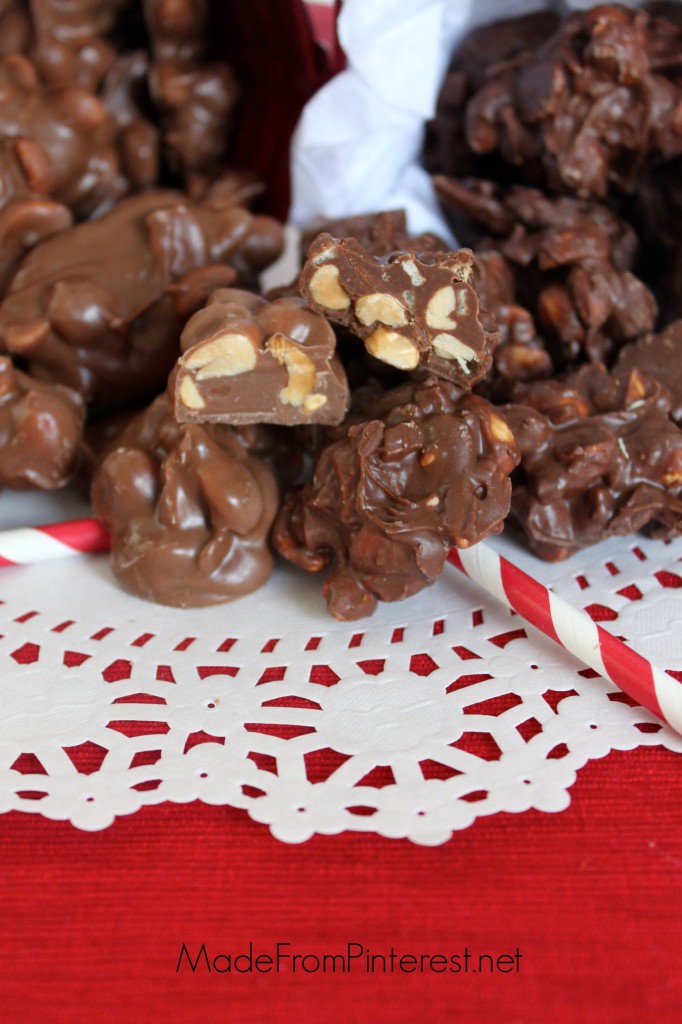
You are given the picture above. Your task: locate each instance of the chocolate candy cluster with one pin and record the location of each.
(556, 151)
(398, 398)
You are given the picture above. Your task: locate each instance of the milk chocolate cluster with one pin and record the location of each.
(40, 430)
(397, 398)
(100, 306)
(246, 360)
(189, 509)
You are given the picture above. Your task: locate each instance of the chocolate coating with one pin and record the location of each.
(40, 430)
(600, 456)
(246, 360)
(71, 135)
(101, 306)
(521, 354)
(427, 468)
(483, 54)
(126, 100)
(189, 510)
(195, 97)
(16, 30)
(588, 109)
(410, 310)
(381, 234)
(571, 261)
(659, 355)
(71, 45)
(27, 215)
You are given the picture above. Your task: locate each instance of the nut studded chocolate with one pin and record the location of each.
(100, 306)
(246, 360)
(195, 97)
(661, 356)
(40, 431)
(521, 354)
(588, 109)
(600, 456)
(189, 509)
(71, 136)
(27, 214)
(71, 46)
(410, 310)
(379, 233)
(571, 261)
(428, 468)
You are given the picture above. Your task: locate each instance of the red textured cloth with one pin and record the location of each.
(93, 924)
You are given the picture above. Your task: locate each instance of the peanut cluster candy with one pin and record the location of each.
(40, 430)
(572, 261)
(101, 305)
(592, 106)
(410, 310)
(521, 354)
(600, 456)
(189, 509)
(71, 45)
(27, 214)
(124, 97)
(16, 31)
(659, 355)
(427, 468)
(71, 137)
(195, 98)
(246, 360)
(485, 53)
(381, 234)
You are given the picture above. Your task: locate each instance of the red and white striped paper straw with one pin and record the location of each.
(574, 629)
(29, 544)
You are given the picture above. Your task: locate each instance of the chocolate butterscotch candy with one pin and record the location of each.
(600, 456)
(40, 431)
(189, 509)
(380, 233)
(571, 261)
(522, 353)
(591, 107)
(426, 469)
(246, 360)
(661, 356)
(410, 310)
(101, 306)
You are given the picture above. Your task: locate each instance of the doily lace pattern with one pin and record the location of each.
(411, 724)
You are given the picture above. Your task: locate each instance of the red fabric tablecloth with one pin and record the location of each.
(93, 924)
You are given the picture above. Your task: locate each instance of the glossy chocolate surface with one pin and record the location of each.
(189, 509)
(427, 468)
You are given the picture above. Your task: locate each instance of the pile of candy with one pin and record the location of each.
(397, 399)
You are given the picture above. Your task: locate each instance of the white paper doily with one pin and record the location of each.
(412, 723)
